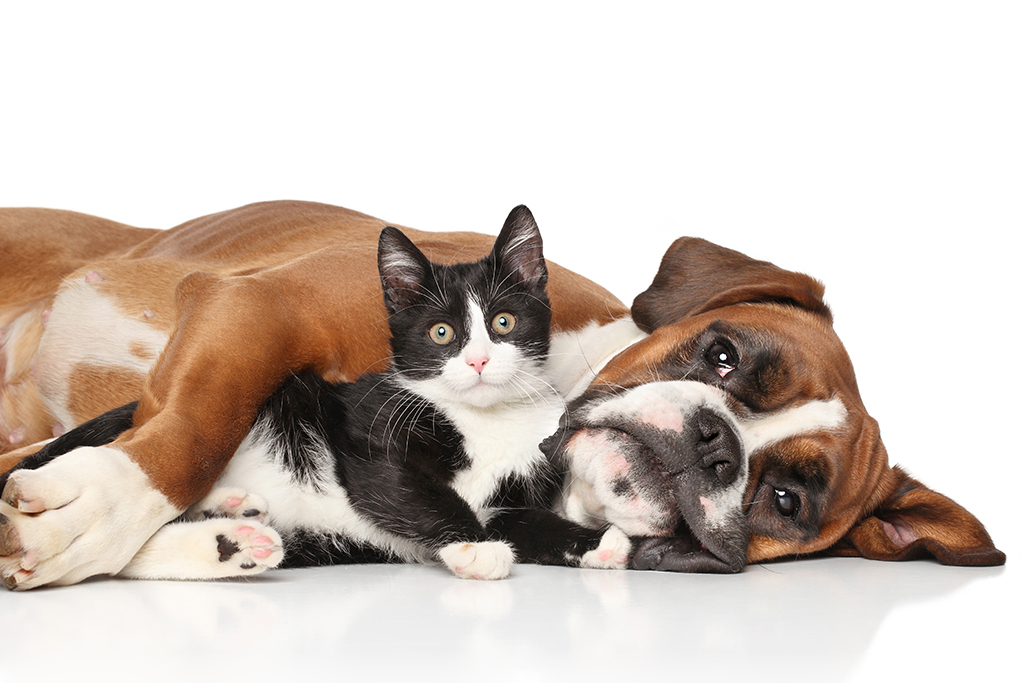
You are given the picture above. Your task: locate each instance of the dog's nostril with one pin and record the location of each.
(710, 427)
(726, 471)
(724, 466)
(709, 435)
(718, 445)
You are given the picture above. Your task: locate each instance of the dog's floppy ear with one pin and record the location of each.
(697, 276)
(915, 522)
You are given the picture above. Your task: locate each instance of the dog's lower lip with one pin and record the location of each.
(693, 537)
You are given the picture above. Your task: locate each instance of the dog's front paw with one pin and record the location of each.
(85, 513)
(612, 553)
(230, 503)
(489, 560)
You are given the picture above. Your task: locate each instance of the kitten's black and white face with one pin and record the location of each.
(475, 333)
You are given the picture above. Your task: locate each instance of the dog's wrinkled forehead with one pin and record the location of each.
(761, 333)
(763, 358)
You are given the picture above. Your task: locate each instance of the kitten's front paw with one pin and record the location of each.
(489, 560)
(230, 503)
(611, 553)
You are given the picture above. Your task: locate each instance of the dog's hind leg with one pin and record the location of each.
(210, 549)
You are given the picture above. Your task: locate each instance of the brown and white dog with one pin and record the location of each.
(724, 407)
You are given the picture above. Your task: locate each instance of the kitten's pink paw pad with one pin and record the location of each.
(612, 553)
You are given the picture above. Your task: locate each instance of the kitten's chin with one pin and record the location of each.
(491, 390)
(480, 395)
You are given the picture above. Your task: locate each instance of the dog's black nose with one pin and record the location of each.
(708, 445)
(718, 445)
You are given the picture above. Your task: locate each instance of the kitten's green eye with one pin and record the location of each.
(442, 333)
(503, 323)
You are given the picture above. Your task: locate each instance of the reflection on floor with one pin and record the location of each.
(853, 618)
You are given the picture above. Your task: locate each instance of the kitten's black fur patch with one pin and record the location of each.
(396, 454)
(393, 452)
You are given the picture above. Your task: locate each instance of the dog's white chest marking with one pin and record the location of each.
(576, 357)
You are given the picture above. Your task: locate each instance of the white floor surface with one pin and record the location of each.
(809, 620)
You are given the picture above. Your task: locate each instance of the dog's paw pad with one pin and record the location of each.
(249, 547)
(485, 561)
(611, 553)
(232, 504)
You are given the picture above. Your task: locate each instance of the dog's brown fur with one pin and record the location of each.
(865, 507)
(246, 296)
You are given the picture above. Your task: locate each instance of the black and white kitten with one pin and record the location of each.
(435, 459)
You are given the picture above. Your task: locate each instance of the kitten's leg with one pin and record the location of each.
(210, 549)
(487, 560)
(304, 547)
(611, 553)
(542, 537)
(435, 516)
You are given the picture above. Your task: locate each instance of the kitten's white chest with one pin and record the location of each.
(500, 442)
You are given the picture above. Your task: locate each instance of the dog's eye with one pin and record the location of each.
(786, 502)
(722, 358)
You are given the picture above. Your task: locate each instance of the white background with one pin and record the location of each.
(878, 146)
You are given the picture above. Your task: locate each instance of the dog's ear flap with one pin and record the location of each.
(697, 276)
(915, 522)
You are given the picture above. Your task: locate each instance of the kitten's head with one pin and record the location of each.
(469, 333)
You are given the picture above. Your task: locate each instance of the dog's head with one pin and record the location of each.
(735, 432)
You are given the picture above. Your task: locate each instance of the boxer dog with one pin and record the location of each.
(749, 344)
(718, 424)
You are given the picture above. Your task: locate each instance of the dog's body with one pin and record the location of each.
(200, 323)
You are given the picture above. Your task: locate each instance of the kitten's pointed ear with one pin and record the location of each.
(403, 269)
(519, 248)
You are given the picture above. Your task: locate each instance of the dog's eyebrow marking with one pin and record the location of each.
(811, 416)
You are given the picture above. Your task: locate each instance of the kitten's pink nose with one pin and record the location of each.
(477, 363)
